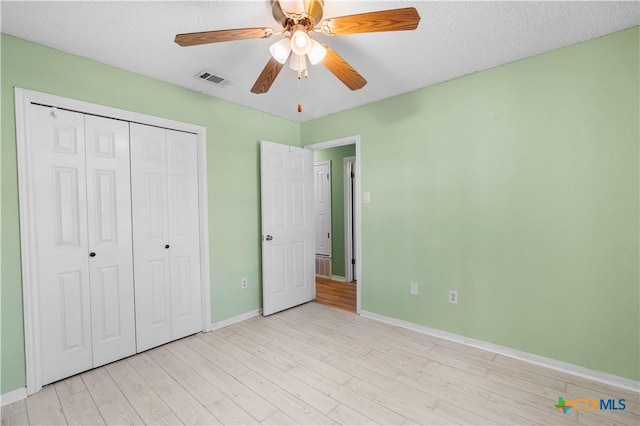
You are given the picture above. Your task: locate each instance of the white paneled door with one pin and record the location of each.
(287, 226)
(109, 223)
(150, 235)
(83, 222)
(165, 234)
(59, 182)
(184, 253)
(322, 197)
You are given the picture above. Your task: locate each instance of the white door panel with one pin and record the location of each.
(287, 226)
(150, 235)
(184, 253)
(57, 146)
(322, 196)
(109, 222)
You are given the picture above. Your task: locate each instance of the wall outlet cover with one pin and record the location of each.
(453, 297)
(413, 289)
(244, 282)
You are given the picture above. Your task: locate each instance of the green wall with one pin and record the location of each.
(335, 155)
(233, 133)
(518, 187)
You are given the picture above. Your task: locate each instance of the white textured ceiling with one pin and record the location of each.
(452, 40)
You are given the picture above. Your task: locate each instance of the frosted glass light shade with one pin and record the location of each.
(280, 50)
(300, 42)
(316, 53)
(298, 62)
(292, 6)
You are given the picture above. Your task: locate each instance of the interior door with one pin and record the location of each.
(150, 235)
(59, 182)
(287, 226)
(184, 253)
(109, 225)
(322, 196)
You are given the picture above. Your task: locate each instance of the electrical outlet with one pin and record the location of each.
(244, 283)
(453, 296)
(413, 289)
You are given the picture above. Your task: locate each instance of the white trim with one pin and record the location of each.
(203, 203)
(13, 396)
(234, 320)
(565, 367)
(340, 142)
(347, 163)
(23, 98)
(338, 278)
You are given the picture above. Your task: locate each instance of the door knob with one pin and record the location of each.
(268, 238)
(92, 254)
(166, 246)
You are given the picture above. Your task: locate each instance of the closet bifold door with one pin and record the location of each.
(59, 198)
(166, 242)
(110, 244)
(182, 166)
(150, 235)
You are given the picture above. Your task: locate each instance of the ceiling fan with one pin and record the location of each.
(299, 18)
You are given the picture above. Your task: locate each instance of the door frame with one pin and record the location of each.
(28, 249)
(351, 140)
(349, 210)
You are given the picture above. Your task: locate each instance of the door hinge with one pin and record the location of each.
(327, 176)
(353, 261)
(353, 175)
(328, 235)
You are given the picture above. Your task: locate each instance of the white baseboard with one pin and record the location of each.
(338, 278)
(565, 367)
(233, 320)
(13, 396)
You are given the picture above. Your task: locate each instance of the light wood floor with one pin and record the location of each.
(335, 293)
(317, 365)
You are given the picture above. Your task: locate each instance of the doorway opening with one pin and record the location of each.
(337, 222)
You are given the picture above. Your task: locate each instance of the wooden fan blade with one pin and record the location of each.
(205, 37)
(267, 77)
(385, 20)
(341, 69)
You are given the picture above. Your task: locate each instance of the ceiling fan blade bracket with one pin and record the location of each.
(325, 27)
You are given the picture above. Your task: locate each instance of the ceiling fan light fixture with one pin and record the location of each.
(316, 53)
(281, 50)
(300, 42)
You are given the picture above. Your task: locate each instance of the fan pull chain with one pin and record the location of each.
(299, 92)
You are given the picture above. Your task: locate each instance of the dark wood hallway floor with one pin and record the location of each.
(336, 293)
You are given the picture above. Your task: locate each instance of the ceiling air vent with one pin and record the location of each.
(212, 78)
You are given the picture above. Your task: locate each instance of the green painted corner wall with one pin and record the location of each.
(233, 135)
(519, 187)
(336, 155)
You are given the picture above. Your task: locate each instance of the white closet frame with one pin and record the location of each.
(30, 285)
